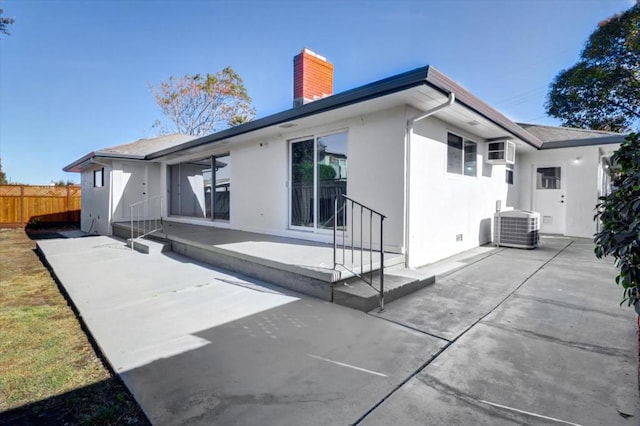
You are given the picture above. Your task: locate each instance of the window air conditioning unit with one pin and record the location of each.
(516, 228)
(501, 152)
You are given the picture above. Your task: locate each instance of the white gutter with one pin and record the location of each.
(407, 168)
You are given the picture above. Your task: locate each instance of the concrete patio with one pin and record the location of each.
(300, 265)
(504, 336)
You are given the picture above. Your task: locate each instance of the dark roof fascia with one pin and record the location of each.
(446, 85)
(102, 154)
(398, 83)
(417, 77)
(572, 143)
(78, 162)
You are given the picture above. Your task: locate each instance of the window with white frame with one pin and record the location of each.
(98, 178)
(548, 178)
(462, 156)
(509, 175)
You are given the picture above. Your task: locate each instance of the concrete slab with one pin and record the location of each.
(491, 367)
(559, 350)
(304, 363)
(312, 258)
(523, 337)
(300, 265)
(585, 328)
(140, 308)
(459, 299)
(458, 261)
(198, 345)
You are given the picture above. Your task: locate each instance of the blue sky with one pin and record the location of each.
(75, 75)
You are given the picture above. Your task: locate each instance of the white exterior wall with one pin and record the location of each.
(582, 180)
(125, 182)
(443, 205)
(95, 213)
(259, 196)
(133, 181)
(260, 175)
(376, 171)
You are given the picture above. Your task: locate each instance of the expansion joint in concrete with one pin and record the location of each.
(546, 338)
(455, 339)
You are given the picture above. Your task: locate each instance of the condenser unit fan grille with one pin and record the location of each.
(517, 228)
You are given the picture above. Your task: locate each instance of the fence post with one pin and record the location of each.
(68, 205)
(21, 205)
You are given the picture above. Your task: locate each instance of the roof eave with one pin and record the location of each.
(440, 81)
(377, 89)
(573, 143)
(78, 165)
(417, 77)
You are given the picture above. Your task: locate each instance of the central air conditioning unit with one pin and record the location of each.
(516, 228)
(501, 152)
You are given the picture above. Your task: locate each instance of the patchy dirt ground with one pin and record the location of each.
(49, 372)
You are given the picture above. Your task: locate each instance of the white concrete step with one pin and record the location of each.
(398, 283)
(147, 246)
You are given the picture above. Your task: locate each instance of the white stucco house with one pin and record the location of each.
(418, 147)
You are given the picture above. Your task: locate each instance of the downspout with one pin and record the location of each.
(407, 167)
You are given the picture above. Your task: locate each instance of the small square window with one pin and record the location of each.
(548, 178)
(98, 178)
(509, 175)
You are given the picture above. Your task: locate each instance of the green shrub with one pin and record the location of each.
(619, 214)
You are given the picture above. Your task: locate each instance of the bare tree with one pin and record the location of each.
(3, 175)
(4, 22)
(199, 106)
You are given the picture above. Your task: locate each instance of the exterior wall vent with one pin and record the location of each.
(501, 152)
(516, 228)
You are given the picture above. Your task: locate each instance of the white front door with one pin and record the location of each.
(549, 190)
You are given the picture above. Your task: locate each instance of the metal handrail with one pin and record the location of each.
(146, 222)
(341, 212)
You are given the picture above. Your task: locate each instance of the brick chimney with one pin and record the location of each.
(312, 77)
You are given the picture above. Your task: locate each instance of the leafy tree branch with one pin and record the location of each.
(619, 216)
(602, 90)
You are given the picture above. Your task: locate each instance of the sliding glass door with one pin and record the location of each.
(201, 188)
(302, 183)
(222, 190)
(318, 174)
(189, 186)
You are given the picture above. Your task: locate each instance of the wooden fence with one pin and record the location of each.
(22, 205)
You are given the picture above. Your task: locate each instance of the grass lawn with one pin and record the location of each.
(49, 372)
